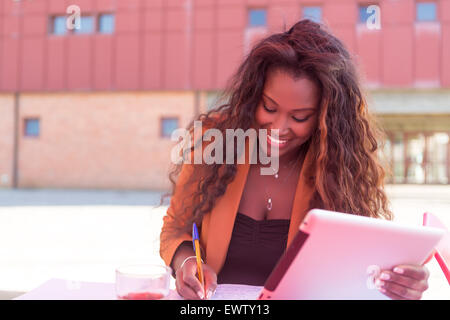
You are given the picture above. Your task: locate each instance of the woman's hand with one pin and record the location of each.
(403, 282)
(188, 285)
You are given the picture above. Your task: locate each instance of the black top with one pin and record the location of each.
(254, 250)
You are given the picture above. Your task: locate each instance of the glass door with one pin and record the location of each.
(437, 158)
(415, 154)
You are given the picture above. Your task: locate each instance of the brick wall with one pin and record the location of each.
(98, 140)
(6, 139)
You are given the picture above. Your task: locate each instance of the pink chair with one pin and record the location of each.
(442, 250)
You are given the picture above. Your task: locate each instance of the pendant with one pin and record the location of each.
(269, 204)
(276, 175)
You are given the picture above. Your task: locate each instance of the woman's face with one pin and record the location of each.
(290, 105)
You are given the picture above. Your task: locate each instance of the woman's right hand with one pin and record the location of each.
(188, 285)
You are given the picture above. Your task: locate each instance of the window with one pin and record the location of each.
(257, 18)
(87, 25)
(168, 125)
(312, 13)
(364, 13)
(103, 23)
(106, 23)
(58, 25)
(426, 11)
(32, 127)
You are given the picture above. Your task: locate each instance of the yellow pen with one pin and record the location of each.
(196, 243)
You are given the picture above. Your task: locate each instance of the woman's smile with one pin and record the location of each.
(277, 142)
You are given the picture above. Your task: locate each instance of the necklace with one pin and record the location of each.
(293, 164)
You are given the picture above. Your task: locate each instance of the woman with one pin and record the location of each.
(302, 82)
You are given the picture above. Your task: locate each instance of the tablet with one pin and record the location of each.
(337, 256)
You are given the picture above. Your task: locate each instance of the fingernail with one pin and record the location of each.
(385, 276)
(379, 283)
(209, 294)
(201, 295)
(398, 270)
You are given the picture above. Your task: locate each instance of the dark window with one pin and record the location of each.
(87, 25)
(426, 11)
(313, 13)
(257, 17)
(106, 23)
(32, 127)
(168, 125)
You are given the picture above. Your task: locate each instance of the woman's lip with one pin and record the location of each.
(273, 141)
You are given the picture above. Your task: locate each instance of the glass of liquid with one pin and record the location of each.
(143, 282)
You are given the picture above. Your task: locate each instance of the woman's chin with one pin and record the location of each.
(267, 151)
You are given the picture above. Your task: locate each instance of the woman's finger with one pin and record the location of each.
(412, 271)
(191, 280)
(210, 281)
(393, 288)
(418, 285)
(188, 293)
(183, 289)
(391, 295)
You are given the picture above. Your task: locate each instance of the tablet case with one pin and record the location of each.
(276, 286)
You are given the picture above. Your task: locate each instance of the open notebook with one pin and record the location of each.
(230, 292)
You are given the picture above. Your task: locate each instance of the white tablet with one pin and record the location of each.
(337, 255)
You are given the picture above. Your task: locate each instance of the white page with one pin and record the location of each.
(236, 292)
(228, 292)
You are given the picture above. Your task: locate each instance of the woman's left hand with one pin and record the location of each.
(403, 282)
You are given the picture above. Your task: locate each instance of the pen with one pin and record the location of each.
(196, 244)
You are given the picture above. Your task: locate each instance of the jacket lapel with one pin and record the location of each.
(222, 217)
(303, 194)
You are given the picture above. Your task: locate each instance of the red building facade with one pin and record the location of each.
(196, 44)
(189, 49)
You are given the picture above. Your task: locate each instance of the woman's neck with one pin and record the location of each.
(292, 158)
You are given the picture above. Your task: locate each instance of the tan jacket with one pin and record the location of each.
(217, 225)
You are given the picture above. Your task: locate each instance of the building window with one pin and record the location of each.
(419, 157)
(58, 25)
(168, 125)
(106, 23)
(426, 11)
(87, 25)
(32, 127)
(364, 13)
(257, 17)
(312, 13)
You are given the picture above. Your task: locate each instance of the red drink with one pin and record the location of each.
(143, 282)
(142, 296)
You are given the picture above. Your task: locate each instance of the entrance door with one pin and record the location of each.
(415, 158)
(418, 157)
(437, 162)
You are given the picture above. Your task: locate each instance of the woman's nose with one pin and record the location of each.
(282, 125)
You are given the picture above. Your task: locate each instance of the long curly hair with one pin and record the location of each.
(347, 167)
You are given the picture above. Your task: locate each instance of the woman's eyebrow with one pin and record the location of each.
(299, 109)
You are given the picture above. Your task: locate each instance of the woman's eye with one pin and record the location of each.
(300, 120)
(267, 109)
